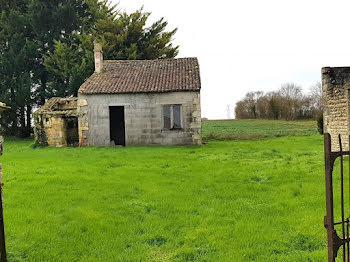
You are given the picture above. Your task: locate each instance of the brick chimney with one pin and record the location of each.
(98, 57)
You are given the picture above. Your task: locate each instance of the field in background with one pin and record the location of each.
(253, 129)
(260, 200)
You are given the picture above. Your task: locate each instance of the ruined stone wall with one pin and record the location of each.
(50, 130)
(39, 130)
(56, 131)
(335, 87)
(55, 121)
(143, 118)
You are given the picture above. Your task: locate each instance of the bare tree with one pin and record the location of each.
(251, 99)
(291, 94)
(288, 103)
(315, 93)
(241, 111)
(291, 90)
(263, 107)
(274, 105)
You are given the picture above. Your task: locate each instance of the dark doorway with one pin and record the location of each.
(72, 131)
(117, 125)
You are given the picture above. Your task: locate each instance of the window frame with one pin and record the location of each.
(172, 118)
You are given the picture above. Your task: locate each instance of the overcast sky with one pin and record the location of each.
(251, 45)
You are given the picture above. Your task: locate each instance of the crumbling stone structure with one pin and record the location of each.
(56, 122)
(336, 88)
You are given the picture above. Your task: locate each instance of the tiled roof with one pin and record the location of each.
(144, 76)
(59, 106)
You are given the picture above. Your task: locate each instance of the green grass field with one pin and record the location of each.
(253, 129)
(260, 200)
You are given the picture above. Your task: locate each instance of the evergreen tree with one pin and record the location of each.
(16, 61)
(122, 36)
(46, 49)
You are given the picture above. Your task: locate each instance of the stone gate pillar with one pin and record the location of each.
(336, 87)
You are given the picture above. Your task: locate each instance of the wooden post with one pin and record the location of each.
(2, 228)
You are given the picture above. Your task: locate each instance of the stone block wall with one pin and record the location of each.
(335, 87)
(39, 130)
(83, 124)
(55, 128)
(50, 131)
(56, 122)
(143, 118)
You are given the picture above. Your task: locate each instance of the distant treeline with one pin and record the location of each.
(288, 103)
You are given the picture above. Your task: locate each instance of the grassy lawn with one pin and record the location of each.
(252, 129)
(260, 200)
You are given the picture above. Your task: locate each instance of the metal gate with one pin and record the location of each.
(335, 241)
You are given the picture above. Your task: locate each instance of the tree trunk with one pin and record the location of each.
(42, 89)
(14, 127)
(29, 116)
(23, 119)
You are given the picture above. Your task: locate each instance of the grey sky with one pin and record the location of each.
(252, 45)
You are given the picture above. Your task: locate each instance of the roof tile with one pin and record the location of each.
(144, 76)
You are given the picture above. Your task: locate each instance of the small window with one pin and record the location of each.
(172, 117)
(167, 117)
(177, 116)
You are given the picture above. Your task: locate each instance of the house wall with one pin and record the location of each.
(335, 87)
(143, 118)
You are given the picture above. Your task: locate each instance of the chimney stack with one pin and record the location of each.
(98, 57)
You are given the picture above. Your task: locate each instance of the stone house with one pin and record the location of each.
(139, 102)
(336, 118)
